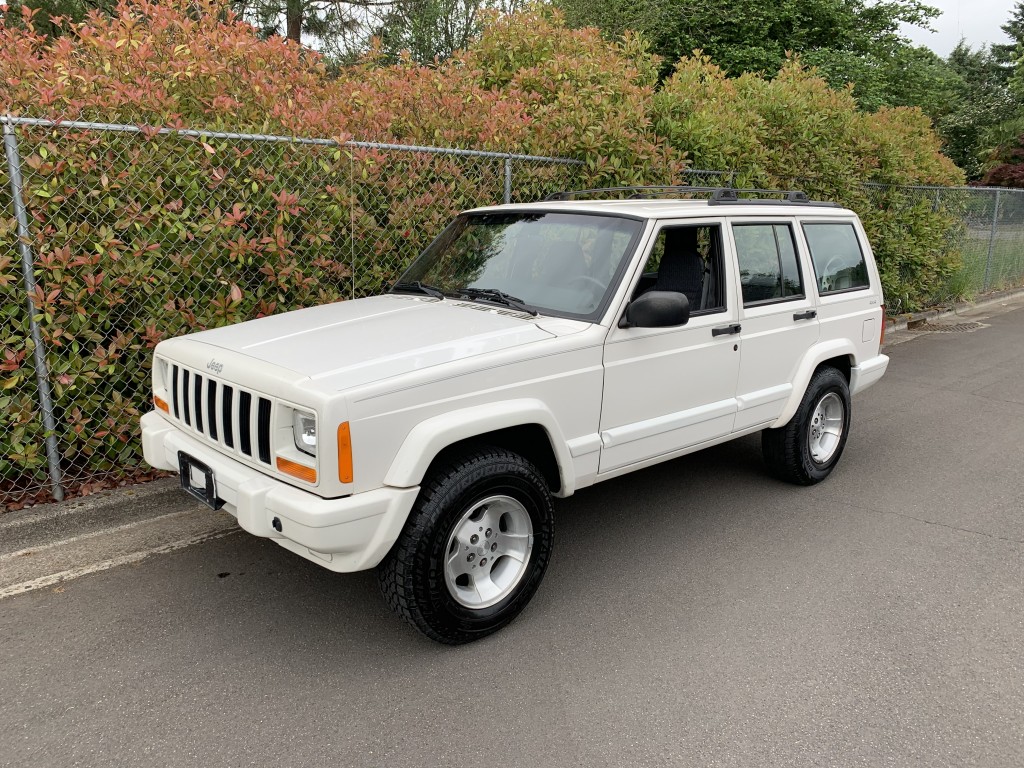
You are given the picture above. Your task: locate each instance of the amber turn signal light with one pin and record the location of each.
(296, 470)
(162, 405)
(344, 453)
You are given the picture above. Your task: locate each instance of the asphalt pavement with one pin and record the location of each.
(697, 613)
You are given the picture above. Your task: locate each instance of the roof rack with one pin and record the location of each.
(638, 193)
(719, 195)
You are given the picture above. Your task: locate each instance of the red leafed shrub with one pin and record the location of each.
(1008, 170)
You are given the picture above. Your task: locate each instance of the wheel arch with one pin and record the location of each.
(839, 354)
(526, 427)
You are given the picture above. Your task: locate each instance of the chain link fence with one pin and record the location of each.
(987, 230)
(992, 237)
(113, 237)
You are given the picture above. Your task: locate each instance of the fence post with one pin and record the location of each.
(508, 180)
(991, 243)
(352, 201)
(39, 353)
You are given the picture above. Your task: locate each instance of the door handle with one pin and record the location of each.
(810, 314)
(725, 330)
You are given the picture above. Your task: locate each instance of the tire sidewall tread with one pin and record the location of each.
(786, 449)
(412, 574)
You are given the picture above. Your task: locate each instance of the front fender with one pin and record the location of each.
(430, 437)
(815, 356)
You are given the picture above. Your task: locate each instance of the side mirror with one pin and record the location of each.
(657, 309)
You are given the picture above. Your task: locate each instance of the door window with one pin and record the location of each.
(769, 270)
(687, 259)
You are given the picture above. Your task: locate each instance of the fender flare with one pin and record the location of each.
(428, 438)
(811, 360)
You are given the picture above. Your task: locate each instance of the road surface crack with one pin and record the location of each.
(957, 528)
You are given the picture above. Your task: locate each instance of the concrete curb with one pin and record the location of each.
(44, 523)
(901, 322)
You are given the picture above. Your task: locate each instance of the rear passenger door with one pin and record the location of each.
(778, 316)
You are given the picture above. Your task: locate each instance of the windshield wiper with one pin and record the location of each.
(493, 294)
(417, 287)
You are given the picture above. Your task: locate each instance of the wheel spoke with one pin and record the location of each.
(490, 519)
(484, 586)
(464, 533)
(514, 545)
(458, 565)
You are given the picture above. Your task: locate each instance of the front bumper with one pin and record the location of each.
(348, 534)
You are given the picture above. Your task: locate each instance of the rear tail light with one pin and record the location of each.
(881, 339)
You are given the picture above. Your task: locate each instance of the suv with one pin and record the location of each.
(530, 351)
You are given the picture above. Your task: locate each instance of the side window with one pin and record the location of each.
(837, 256)
(769, 270)
(687, 259)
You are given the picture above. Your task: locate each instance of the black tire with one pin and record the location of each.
(787, 450)
(413, 577)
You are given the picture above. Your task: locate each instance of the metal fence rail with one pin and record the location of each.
(113, 237)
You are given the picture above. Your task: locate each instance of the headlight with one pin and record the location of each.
(162, 377)
(304, 431)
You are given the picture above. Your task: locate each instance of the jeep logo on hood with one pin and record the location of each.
(214, 366)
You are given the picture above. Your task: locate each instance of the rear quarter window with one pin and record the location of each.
(838, 258)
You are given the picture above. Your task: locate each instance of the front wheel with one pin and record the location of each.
(474, 549)
(807, 449)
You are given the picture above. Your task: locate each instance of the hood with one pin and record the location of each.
(370, 339)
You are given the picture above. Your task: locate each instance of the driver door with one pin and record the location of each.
(669, 389)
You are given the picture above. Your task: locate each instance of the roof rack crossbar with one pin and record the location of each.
(719, 195)
(638, 192)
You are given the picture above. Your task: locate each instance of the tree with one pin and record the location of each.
(48, 12)
(752, 35)
(985, 114)
(909, 76)
(1007, 54)
(345, 29)
(433, 29)
(328, 24)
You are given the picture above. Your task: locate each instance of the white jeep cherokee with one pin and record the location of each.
(530, 351)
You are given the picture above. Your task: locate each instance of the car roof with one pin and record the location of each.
(676, 208)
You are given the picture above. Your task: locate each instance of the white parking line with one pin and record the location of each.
(134, 557)
(93, 534)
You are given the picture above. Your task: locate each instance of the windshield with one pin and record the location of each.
(557, 263)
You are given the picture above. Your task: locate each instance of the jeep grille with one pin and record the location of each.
(222, 413)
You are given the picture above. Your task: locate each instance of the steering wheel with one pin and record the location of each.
(596, 290)
(828, 281)
(593, 282)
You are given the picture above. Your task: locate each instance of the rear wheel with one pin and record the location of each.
(807, 449)
(474, 549)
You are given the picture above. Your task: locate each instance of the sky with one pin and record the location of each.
(976, 20)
